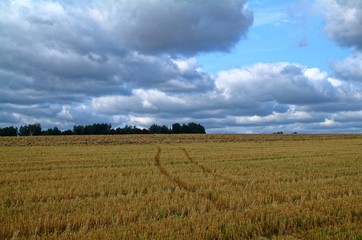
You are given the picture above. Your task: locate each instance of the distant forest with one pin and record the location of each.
(102, 129)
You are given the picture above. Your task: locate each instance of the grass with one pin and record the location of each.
(181, 186)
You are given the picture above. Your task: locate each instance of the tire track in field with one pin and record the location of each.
(163, 170)
(210, 171)
(220, 204)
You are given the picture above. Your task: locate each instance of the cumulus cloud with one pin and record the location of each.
(57, 55)
(284, 83)
(72, 51)
(278, 94)
(140, 101)
(349, 69)
(343, 21)
(181, 27)
(343, 25)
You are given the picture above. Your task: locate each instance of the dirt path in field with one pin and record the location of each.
(212, 172)
(218, 202)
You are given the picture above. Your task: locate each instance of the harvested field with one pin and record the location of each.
(181, 187)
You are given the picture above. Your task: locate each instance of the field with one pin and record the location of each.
(181, 187)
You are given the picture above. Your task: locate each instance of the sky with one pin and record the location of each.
(234, 66)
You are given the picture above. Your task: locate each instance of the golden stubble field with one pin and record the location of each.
(181, 187)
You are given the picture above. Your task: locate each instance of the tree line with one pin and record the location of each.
(102, 129)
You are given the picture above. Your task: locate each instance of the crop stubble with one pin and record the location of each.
(187, 186)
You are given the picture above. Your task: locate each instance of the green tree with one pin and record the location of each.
(78, 130)
(67, 132)
(185, 128)
(52, 131)
(164, 130)
(154, 129)
(196, 128)
(9, 131)
(176, 128)
(30, 130)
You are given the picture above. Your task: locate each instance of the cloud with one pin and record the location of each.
(272, 16)
(65, 113)
(178, 26)
(304, 42)
(350, 68)
(58, 56)
(149, 101)
(291, 116)
(343, 21)
(284, 83)
(278, 94)
(328, 122)
(54, 51)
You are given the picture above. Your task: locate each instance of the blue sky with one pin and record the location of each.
(235, 66)
(283, 31)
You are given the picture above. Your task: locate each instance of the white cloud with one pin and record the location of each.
(315, 74)
(141, 101)
(343, 25)
(65, 113)
(328, 123)
(142, 121)
(344, 20)
(281, 82)
(276, 118)
(269, 16)
(335, 82)
(350, 68)
(186, 65)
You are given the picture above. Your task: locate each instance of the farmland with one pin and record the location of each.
(181, 187)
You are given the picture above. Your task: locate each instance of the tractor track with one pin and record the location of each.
(218, 202)
(163, 170)
(212, 172)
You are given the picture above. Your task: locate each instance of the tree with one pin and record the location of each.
(176, 128)
(145, 131)
(67, 132)
(185, 128)
(103, 128)
(52, 131)
(30, 130)
(78, 130)
(136, 130)
(9, 131)
(156, 129)
(127, 130)
(96, 128)
(196, 128)
(164, 130)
